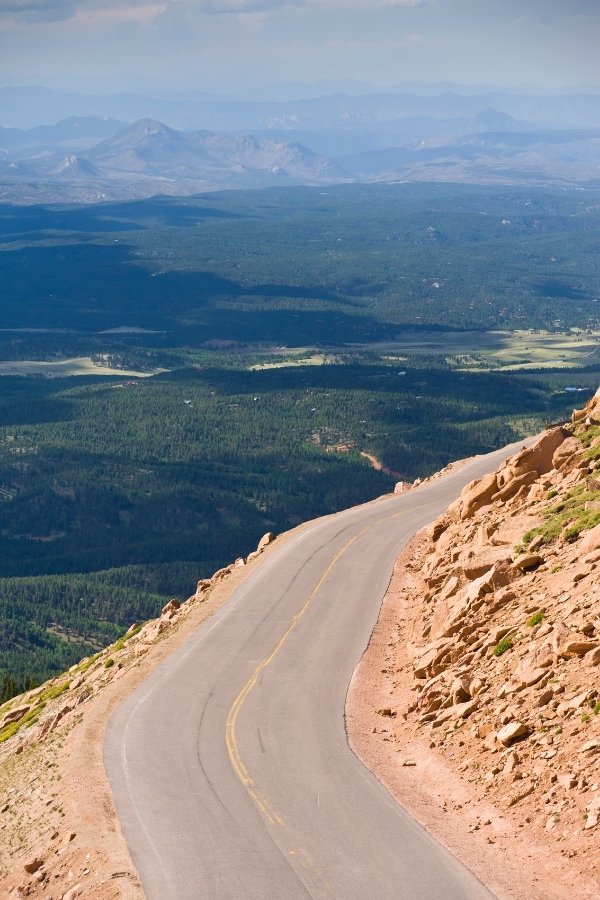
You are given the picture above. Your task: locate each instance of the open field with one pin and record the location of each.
(488, 350)
(61, 368)
(296, 359)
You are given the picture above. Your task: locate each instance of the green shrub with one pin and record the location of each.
(27, 720)
(123, 640)
(502, 646)
(53, 692)
(83, 667)
(569, 517)
(535, 619)
(109, 662)
(589, 436)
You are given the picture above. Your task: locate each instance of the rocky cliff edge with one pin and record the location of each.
(489, 665)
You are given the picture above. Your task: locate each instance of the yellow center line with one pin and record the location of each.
(233, 752)
(230, 734)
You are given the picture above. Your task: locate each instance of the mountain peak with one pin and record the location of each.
(490, 119)
(73, 165)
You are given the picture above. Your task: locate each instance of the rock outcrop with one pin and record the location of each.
(498, 649)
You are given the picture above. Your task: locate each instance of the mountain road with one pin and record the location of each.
(230, 768)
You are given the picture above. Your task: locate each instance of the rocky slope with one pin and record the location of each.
(491, 662)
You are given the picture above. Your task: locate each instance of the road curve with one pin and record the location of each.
(230, 768)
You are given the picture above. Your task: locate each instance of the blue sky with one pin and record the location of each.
(233, 45)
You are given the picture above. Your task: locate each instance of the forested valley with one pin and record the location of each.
(270, 321)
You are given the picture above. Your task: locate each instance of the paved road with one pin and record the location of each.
(230, 767)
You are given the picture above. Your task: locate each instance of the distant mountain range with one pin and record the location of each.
(567, 157)
(331, 107)
(327, 140)
(154, 149)
(148, 158)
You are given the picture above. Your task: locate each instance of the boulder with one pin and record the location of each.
(527, 561)
(592, 657)
(565, 451)
(170, 609)
(476, 564)
(459, 690)
(511, 732)
(450, 587)
(567, 643)
(437, 528)
(73, 892)
(478, 494)
(593, 813)
(576, 647)
(33, 864)
(427, 663)
(590, 541)
(526, 676)
(578, 701)
(458, 711)
(538, 458)
(515, 484)
(14, 715)
(265, 540)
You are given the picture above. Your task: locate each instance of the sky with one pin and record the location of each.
(234, 46)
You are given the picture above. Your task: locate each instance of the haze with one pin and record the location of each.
(239, 46)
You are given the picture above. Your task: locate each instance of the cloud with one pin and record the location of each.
(28, 11)
(407, 40)
(38, 10)
(224, 7)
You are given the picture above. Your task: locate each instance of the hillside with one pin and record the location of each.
(489, 645)
(484, 723)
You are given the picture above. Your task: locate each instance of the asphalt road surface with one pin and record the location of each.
(230, 768)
